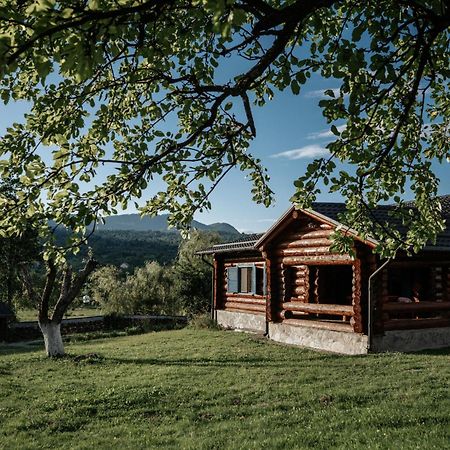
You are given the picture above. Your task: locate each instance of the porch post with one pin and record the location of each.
(356, 321)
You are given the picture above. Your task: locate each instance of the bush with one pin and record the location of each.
(203, 322)
(146, 291)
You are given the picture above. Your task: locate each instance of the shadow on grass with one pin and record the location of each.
(435, 352)
(218, 362)
(21, 347)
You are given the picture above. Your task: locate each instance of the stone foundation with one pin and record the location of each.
(320, 339)
(241, 321)
(412, 340)
(347, 343)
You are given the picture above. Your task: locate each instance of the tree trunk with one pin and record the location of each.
(52, 339)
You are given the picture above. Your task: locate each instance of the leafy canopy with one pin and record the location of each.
(105, 77)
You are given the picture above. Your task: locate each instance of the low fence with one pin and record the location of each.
(21, 331)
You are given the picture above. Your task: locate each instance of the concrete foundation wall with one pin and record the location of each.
(241, 321)
(333, 341)
(337, 341)
(412, 340)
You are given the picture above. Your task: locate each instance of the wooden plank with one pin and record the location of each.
(314, 242)
(307, 234)
(319, 308)
(268, 275)
(219, 284)
(245, 308)
(334, 326)
(298, 298)
(356, 297)
(248, 300)
(409, 324)
(245, 295)
(326, 260)
(416, 307)
(229, 262)
(304, 251)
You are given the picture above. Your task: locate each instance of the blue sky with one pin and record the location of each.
(292, 127)
(291, 131)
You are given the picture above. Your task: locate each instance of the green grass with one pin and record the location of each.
(24, 315)
(203, 389)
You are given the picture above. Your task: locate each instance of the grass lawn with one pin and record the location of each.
(24, 315)
(206, 389)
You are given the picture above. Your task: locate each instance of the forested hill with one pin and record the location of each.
(130, 240)
(134, 222)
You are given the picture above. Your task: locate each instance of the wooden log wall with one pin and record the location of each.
(241, 302)
(297, 256)
(432, 312)
(356, 320)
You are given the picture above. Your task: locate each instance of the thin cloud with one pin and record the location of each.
(320, 93)
(325, 134)
(308, 151)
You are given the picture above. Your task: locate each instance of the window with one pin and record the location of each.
(246, 279)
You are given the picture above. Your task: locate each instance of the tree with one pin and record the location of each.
(21, 251)
(148, 290)
(105, 76)
(70, 285)
(14, 252)
(192, 275)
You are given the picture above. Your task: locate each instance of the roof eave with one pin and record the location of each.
(343, 228)
(273, 228)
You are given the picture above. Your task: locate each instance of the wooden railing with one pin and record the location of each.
(304, 314)
(403, 316)
(319, 308)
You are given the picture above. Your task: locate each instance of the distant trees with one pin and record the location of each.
(192, 276)
(182, 288)
(146, 291)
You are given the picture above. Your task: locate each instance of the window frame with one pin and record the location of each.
(236, 280)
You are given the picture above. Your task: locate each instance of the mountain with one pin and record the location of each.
(134, 222)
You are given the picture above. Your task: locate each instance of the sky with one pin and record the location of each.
(291, 132)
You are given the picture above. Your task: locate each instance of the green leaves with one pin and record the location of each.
(139, 99)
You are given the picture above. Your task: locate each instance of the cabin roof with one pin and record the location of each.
(244, 242)
(328, 212)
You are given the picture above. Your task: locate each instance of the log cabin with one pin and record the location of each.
(289, 285)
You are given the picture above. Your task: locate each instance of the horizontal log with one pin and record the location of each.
(260, 303)
(335, 326)
(244, 308)
(235, 262)
(249, 306)
(409, 324)
(306, 234)
(416, 307)
(314, 242)
(304, 251)
(329, 260)
(299, 298)
(319, 308)
(284, 315)
(246, 297)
